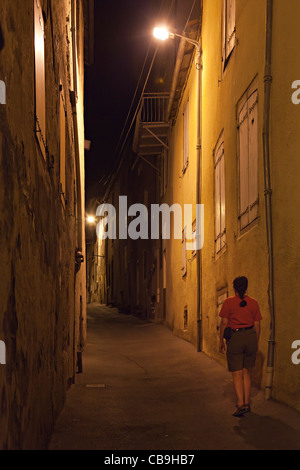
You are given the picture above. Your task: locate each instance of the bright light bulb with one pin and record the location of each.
(91, 219)
(161, 33)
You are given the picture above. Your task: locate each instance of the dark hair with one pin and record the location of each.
(240, 285)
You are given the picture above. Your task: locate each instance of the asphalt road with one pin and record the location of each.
(142, 388)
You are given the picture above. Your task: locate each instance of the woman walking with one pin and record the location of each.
(241, 322)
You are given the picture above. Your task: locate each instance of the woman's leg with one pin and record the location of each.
(238, 383)
(247, 385)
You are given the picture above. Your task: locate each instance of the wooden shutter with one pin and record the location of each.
(220, 227)
(230, 27)
(40, 102)
(62, 119)
(217, 208)
(222, 199)
(228, 30)
(243, 166)
(248, 157)
(253, 155)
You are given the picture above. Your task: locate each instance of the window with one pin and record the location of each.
(228, 34)
(248, 157)
(39, 50)
(219, 166)
(185, 135)
(62, 167)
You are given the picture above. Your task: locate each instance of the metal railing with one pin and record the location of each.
(154, 107)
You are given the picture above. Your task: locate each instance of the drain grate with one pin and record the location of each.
(95, 385)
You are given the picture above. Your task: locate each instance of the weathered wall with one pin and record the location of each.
(245, 253)
(285, 170)
(38, 234)
(181, 189)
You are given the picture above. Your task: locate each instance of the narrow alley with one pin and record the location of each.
(149, 226)
(142, 388)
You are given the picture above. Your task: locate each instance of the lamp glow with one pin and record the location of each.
(161, 33)
(91, 219)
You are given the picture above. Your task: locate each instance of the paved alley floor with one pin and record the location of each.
(142, 388)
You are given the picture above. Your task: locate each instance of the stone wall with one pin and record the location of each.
(38, 227)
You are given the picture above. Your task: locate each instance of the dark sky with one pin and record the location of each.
(123, 32)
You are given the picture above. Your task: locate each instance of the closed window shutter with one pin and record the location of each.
(217, 208)
(39, 49)
(220, 226)
(62, 115)
(244, 166)
(248, 157)
(253, 155)
(222, 198)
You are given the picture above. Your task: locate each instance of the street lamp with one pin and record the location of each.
(162, 34)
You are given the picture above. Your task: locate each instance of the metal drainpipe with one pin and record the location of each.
(199, 192)
(268, 194)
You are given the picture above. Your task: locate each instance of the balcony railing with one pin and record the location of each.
(154, 108)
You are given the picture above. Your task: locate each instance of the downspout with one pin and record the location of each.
(268, 194)
(199, 68)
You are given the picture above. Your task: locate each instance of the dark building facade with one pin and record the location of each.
(42, 308)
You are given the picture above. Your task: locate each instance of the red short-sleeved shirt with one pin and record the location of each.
(240, 317)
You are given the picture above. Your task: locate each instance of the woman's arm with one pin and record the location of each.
(257, 329)
(223, 325)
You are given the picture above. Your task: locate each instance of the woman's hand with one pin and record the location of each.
(222, 346)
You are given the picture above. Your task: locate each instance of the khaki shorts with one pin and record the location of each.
(241, 350)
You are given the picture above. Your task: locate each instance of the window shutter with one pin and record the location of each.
(222, 199)
(220, 235)
(243, 166)
(217, 208)
(62, 115)
(39, 48)
(253, 155)
(230, 27)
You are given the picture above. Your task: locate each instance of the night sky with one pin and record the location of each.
(123, 34)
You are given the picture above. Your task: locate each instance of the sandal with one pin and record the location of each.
(247, 408)
(240, 410)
